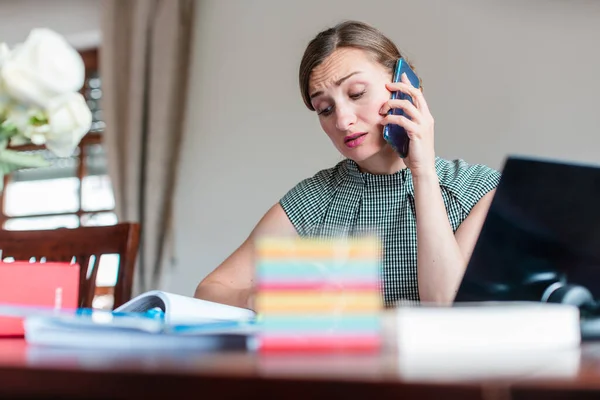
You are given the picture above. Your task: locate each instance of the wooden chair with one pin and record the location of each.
(82, 244)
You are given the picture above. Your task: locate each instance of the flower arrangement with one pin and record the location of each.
(40, 102)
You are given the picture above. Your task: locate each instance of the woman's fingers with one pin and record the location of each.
(412, 129)
(409, 109)
(416, 94)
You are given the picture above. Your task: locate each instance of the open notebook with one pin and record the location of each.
(155, 319)
(180, 309)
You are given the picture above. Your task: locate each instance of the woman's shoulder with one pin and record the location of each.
(323, 180)
(459, 173)
(465, 181)
(308, 200)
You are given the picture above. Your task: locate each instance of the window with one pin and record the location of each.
(71, 192)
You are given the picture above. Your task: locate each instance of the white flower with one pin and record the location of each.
(18, 116)
(69, 119)
(19, 140)
(21, 119)
(42, 67)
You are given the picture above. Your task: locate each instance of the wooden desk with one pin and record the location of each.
(45, 372)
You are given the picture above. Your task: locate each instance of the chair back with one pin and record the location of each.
(83, 245)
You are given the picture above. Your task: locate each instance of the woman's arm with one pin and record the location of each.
(232, 282)
(442, 255)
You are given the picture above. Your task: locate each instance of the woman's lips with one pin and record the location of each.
(355, 139)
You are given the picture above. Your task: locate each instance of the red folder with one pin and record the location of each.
(54, 285)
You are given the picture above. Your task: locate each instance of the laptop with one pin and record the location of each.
(541, 239)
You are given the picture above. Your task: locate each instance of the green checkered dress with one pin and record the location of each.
(345, 201)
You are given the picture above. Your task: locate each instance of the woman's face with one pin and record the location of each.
(347, 91)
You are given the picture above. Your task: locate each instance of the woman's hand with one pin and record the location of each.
(421, 151)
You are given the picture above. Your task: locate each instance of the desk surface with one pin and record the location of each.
(48, 372)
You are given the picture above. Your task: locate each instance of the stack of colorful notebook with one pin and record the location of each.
(318, 294)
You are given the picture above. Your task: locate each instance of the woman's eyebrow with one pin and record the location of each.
(337, 83)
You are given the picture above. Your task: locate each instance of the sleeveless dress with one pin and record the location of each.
(345, 201)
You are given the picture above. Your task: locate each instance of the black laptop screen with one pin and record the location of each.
(543, 226)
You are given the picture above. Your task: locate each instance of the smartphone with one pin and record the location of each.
(394, 134)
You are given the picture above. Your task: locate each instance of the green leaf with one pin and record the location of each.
(22, 160)
(7, 131)
(38, 119)
(6, 169)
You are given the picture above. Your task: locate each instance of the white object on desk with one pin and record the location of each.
(184, 309)
(498, 326)
(42, 331)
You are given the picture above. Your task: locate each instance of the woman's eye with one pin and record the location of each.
(355, 96)
(325, 111)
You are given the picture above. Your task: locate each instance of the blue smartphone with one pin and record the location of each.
(394, 134)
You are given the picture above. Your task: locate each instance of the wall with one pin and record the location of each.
(500, 77)
(77, 20)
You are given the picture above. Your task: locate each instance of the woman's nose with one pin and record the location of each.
(345, 118)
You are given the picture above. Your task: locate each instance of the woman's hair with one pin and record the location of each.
(346, 34)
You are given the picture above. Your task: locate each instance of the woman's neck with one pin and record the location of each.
(386, 162)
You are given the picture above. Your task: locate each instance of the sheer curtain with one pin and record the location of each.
(144, 63)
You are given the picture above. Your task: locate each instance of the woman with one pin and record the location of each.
(423, 207)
